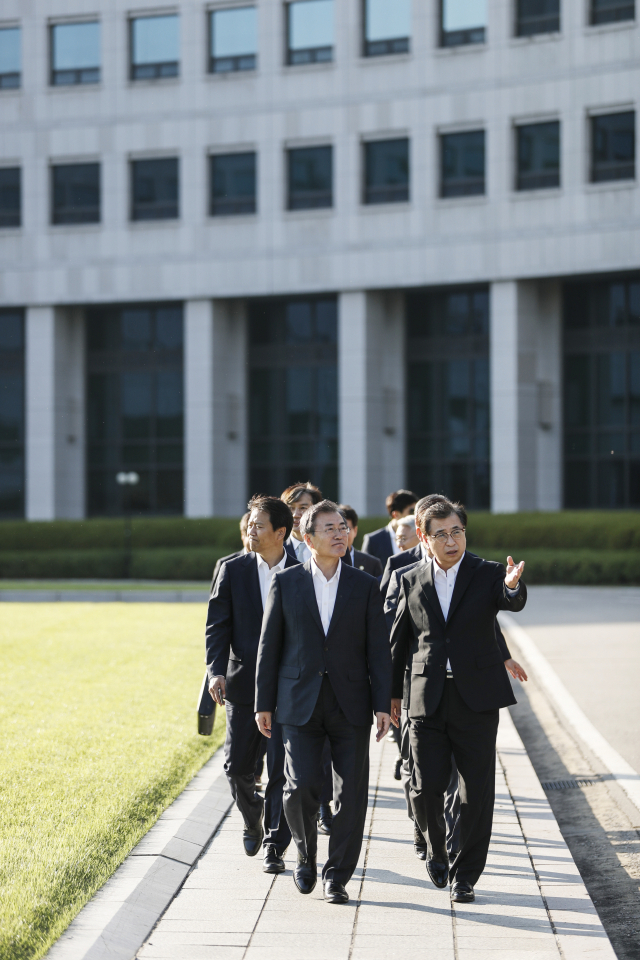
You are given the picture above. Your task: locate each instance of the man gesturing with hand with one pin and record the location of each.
(324, 669)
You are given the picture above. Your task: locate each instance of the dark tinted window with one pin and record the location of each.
(75, 53)
(154, 189)
(310, 178)
(538, 156)
(293, 394)
(233, 35)
(386, 171)
(233, 184)
(602, 394)
(309, 31)
(609, 11)
(387, 27)
(10, 196)
(448, 394)
(537, 16)
(75, 189)
(462, 158)
(10, 58)
(11, 413)
(155, 47)
(462, 22)
(613, 147)
(135, 409)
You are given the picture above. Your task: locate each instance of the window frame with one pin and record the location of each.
(132, 202)
(77, 72)
(546, 19)
(321, 196)
(157, 65)
(18, 221)
(390, 47)
(314, 53)
(518, 182)
(442, 136)
(6, 79)
(592, 171)
(366, 191)
(624, 12)
(53, 212)
(211, 158)
(211, 60)
(459, 38)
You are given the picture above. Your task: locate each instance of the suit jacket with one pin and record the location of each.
(378, 544)
(368, 563)
(402, 559)
(421, 637)
(294, 653)
(290, 547)
(234, 620)
(218, 567)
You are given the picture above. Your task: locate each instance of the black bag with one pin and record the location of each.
(206, 709)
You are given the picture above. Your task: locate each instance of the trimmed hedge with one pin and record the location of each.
(179, 563)
(586, 567)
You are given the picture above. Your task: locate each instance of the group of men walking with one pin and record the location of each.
(309, 641)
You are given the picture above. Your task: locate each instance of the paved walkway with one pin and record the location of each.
(530, 902)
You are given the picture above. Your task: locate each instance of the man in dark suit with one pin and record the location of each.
(382, 543)
(299, 497)
(231, 556)
(324, 667)
(360, 560)
(233, 629)
(444, 632)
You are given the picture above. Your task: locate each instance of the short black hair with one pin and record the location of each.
(279, 513)
(309, 517)
(349, 513)
(399, 500)
(293, 493)
(425, 502)
(441, 509)
(244, 523)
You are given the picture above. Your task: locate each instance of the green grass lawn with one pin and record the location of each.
(97, 737)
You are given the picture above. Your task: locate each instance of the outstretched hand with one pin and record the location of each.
(514, 572)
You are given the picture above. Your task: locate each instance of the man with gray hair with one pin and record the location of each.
(324, 669)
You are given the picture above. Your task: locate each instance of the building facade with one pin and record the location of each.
(373, 243)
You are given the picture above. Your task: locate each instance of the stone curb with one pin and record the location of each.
(573, 917)
(119, 918)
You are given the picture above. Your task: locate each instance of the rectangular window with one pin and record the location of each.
(10, 197)
(538, 156)
(155, 47)
(135, 409)
(387, 27)
(75, 53)
(154, 189)
(233, 37)
(448, 394)
(386, 171)
(310, 178)
(10, 58)
(613, 147)
(232, 184)
(537, 16)
(75, 193)
(611, 11)
(462, 164)
(12, 419)
(462, 22)
(293, 394)
(309, 31)
(601, 386)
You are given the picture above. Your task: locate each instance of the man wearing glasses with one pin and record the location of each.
(324, 669)
(444, 635)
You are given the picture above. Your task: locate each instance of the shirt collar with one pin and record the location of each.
(451, 572)
(317, 572)
(391, 529)
(278, 566)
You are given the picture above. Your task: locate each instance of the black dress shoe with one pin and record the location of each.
(305, 874)
(325, 818)
(397, 768)
(462, 892)
(272, 862)
(439, 873)
(252, 838)
(335, 892)
(452, 855)
(419, 843)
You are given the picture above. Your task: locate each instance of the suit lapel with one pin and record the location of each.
(466, 571)
(253, 582)
(309, 593)
(345, 586)
(429, 590)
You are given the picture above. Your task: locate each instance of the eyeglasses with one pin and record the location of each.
(341, 528)
(456, 534)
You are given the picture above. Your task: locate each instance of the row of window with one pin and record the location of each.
(154, 40)
(76, 193)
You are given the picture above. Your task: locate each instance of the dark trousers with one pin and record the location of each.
(326, 796)
(242, 748)
(305, 774)
(471, 737)
(451, 797)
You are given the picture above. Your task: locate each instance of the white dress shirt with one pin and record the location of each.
(326, 592)
(392, 534)
(265, 575)
(444, 581)
(302, 550)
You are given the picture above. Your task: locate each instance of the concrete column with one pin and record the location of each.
(215, 408)
(55, 448)
(526, 358)
(371, 378)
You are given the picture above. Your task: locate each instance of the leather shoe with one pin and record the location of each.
(439, 873)
(335, 892)
(272, 862)
(325, 818)
(252, 837)
(397, 767)
(419, 843)
(462, 892)
(305, 874)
